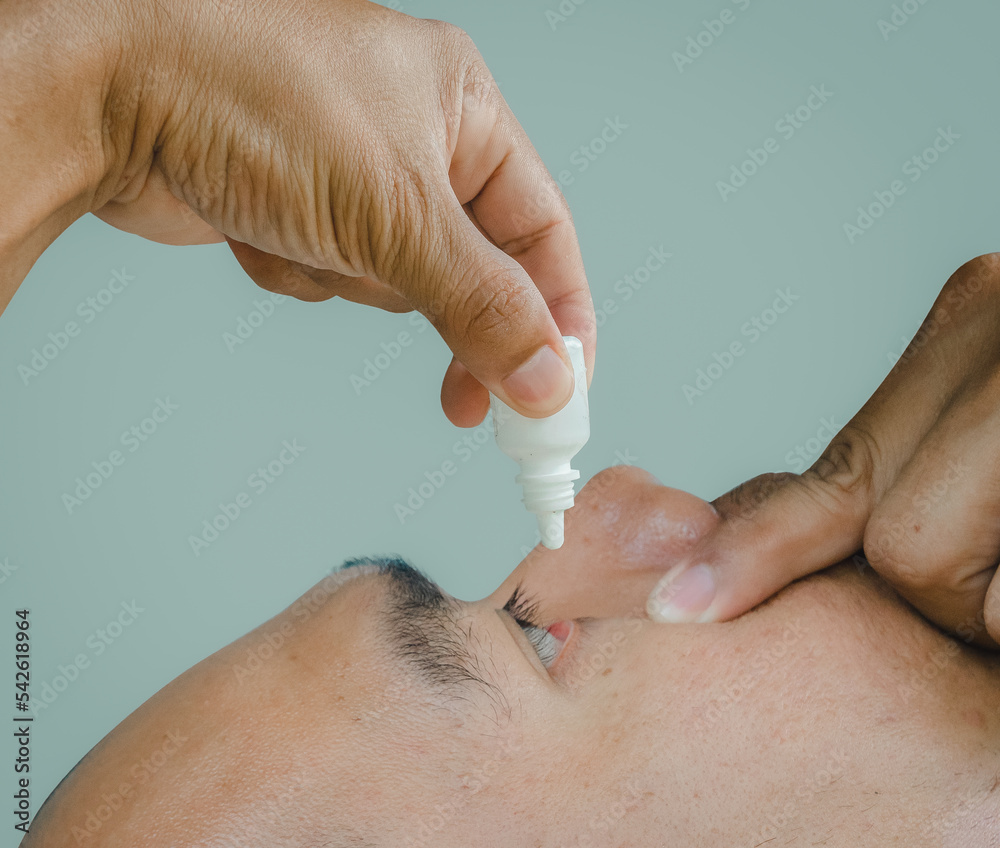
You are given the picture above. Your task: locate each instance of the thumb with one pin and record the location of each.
(774, 529)
(486, 308)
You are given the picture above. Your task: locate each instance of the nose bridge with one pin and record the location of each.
(622, 474)
(617, 484)
(641, 522)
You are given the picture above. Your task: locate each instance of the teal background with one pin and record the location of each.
(655, 185)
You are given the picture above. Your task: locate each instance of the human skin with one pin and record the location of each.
(339, 147)
(911, 479)
(811, 720)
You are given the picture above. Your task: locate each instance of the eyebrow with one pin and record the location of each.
(424, 631)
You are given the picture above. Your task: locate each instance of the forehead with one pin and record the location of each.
(310, 700)
(374, 632)
(333, 630)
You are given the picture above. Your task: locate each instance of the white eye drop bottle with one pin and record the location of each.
(544, 447)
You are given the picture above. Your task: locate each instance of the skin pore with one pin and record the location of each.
(376, 711)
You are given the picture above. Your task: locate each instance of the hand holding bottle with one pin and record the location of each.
(339, 147)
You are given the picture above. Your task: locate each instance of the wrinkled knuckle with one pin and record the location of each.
(891, 550)
(397, 232)
(466, 86)
(487, 321)
(849, 462)
(452, 44)
(745, 500)
(464, 62)
(457, 41)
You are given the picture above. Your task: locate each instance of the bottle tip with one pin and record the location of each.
(550, 525)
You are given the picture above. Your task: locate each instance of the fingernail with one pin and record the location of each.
(541, 382)
(681, 598)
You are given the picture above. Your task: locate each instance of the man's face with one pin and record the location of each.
(378, 711)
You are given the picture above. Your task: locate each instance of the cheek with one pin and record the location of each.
(462, 794)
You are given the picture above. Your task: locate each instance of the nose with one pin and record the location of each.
(624, 532)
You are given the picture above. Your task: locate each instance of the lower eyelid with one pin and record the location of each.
(562, 632)
(530, 653)
(557, 635)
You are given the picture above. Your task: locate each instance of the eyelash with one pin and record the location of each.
(525, 613)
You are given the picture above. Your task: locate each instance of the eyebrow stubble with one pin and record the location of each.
(424, 632)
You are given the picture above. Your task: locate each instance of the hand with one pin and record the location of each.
(914, 479)
(342, 148)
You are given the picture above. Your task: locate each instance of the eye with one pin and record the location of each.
(545, 640)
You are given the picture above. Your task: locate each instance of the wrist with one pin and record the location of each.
(57, 62)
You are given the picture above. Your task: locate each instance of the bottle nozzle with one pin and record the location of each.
(550, 526)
